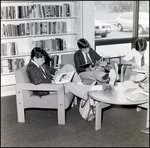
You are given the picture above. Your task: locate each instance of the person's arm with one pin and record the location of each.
(51, 69)
(78, 64)
(35, 77)
(129, 59)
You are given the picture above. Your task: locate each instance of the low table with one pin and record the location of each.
(117, 97)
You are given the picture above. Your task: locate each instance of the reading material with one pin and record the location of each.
(137, 95)
(85, 65)
(64, 77)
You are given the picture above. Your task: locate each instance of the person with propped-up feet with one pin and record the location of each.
(38, 73)
(97, 67)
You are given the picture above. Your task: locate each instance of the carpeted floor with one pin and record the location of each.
(121, 127)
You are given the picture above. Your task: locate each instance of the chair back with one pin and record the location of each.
(21, 77)
(67, 59)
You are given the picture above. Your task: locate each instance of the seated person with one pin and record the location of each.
(138, 57)
(96, 70)
(41, 73)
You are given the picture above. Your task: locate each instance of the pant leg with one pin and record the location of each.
(78, 90)
(69, 68)
(94, 75)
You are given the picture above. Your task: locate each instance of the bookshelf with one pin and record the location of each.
(53, 25)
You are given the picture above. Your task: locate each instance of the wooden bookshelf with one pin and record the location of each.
(36, 23)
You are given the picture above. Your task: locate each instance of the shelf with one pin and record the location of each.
(4, 74)
(34, 1)
(28, 54)
(69, 23)
(41, 35)
(63, 51)
(14, 56)
(33, 19)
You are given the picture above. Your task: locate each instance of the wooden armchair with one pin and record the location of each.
(25, 98)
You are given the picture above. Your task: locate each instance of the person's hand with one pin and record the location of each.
(101, 63)
(135, 65)
(104, 64)
(87, 69)
(56, 72)
(92, 67)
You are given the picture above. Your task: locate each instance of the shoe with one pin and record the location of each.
(108, 87)
(145, 131)
(112, 77)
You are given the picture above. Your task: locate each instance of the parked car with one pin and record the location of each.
(102, 28)
(125, 21)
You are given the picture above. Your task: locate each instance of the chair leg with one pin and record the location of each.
(138, 109)
(98, 116)
(74, 102)
(147, 120)
(20, 108)
(61, 106)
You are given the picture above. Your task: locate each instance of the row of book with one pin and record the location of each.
(57, 44)
(9, 48)
(33, 28)
(9, 65)
(8, 12)
(35, 11)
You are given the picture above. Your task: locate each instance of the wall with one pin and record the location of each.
(88, 22)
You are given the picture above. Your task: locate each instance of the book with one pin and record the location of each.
(137, 95)
(107, 68)
(64, 77)
(85, 65)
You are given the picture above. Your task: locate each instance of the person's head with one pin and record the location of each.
(38, 55)
(83, 45)
(140, 45)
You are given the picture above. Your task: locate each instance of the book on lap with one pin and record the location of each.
(64, 77)
(85, 65)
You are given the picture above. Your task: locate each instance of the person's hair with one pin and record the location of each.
(37, 52)
(83, 43)
(140, 44)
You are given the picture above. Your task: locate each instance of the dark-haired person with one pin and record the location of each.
(85, 55)
(138, 57)
(38, 73)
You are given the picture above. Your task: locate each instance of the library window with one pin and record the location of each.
(112, 19)
(143, 28)
(128, 20)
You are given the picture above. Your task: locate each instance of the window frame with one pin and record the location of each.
(132, 39)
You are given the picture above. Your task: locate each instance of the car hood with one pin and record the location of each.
(101, 24)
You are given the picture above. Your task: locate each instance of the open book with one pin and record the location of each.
(85, 65)
(64, 77)
(137, 95)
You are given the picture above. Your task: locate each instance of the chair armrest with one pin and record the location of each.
(59, 88)
(44, 87)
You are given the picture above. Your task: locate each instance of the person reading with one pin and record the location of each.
(90, 65)
(36, 75)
